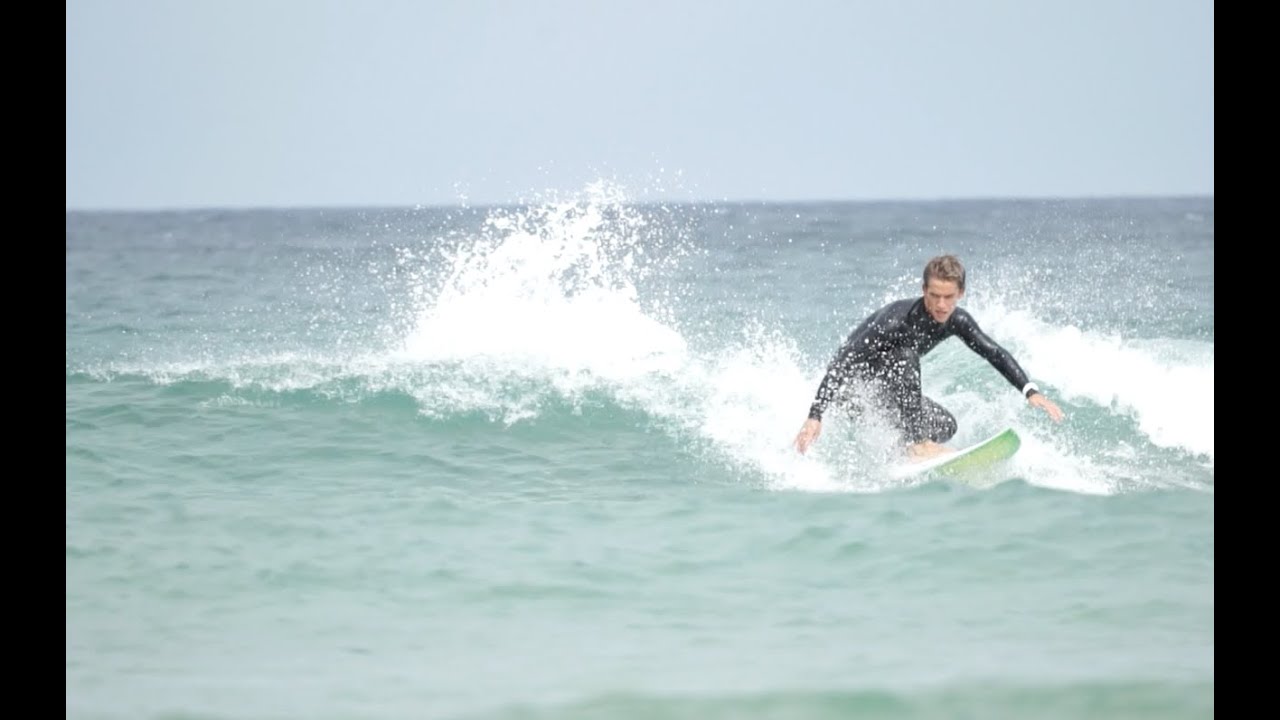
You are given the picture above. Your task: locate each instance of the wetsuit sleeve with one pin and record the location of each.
(967, 330)
(838, 371)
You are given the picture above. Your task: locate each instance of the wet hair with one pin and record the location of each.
(945, 267)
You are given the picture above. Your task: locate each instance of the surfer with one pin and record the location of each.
(879, 364)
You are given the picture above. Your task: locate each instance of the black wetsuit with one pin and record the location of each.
(882, 356)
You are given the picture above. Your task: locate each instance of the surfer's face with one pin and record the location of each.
(940, 298)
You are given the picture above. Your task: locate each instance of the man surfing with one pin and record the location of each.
(880, 362)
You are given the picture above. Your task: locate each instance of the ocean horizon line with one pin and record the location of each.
(639, 202)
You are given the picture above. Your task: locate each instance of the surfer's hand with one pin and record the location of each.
(1047, 405)
(808, 433)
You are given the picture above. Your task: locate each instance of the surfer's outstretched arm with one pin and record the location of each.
(838, 371)
(809, 432)
(966, 328)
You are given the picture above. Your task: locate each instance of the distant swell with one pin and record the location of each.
(1070, 702)
(516, 401)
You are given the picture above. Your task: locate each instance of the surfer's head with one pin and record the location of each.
(943, 286)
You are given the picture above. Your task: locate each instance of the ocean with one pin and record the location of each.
(534, 461)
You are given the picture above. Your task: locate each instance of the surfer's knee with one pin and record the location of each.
(941, 425)
(946, 429)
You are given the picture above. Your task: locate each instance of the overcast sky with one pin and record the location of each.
(284, 103)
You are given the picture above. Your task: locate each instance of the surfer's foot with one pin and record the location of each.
(927, 449)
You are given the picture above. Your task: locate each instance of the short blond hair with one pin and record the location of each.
(945, 267)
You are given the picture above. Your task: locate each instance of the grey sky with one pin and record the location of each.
(274, 103)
